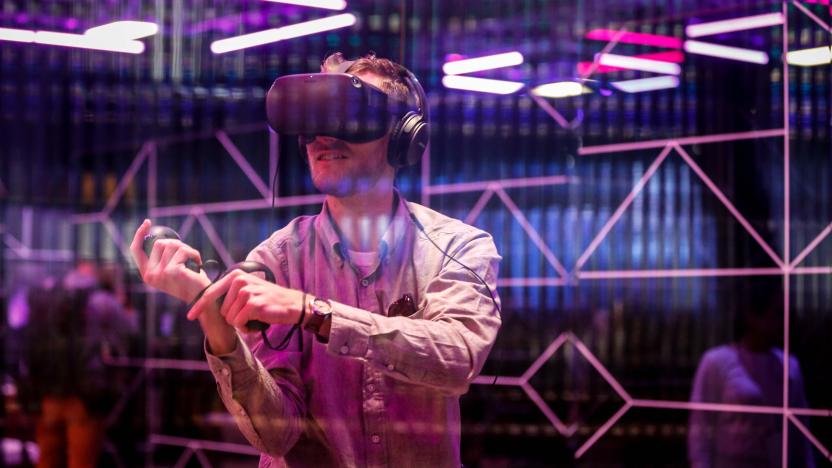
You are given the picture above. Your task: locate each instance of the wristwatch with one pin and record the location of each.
(320, 310)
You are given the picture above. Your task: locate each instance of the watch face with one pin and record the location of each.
(321, 306)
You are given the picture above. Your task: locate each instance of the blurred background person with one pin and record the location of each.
(748, 371)
(74, 326)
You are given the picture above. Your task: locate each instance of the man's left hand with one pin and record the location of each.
(249, 297)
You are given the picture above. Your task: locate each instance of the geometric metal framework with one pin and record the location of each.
(782, 265)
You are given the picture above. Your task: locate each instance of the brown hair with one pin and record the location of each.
(394, 81)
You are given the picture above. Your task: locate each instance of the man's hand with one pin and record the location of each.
(165, 269)
(248, 297)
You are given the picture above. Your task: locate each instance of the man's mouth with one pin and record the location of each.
(330, 156)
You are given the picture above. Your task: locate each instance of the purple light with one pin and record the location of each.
(635, 63)
(123, 30)
(83, 41)
(635, 38)
(726, 52)
(269, 36)
(734, 24)
(481, 85)
(487, 62)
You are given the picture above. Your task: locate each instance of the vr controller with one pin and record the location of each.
(248, 266)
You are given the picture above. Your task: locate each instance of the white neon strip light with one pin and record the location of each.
(735, 24)
(488, 62)
(112, 37)
(83, 41)
(327, 4)
(124, 30)
(481, 85)
(647, 84)
(279, 34)
(17, 35)
(560, 89)
(726, 52)
(810, 57)
(634, 63)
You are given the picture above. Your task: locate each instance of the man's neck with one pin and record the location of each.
(362, 218)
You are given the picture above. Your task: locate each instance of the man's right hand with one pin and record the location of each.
(165, 270)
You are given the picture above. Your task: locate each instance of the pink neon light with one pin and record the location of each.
(488, 62)
(607, 375)
(242, 162)
(532, 233)
(524, 182)
(635, 63)
(545, 409)
(545, 356)
(636, 38)
(735, 24)
(696, 140)
(215, 238)
(607, 49)
(687, 273)
(697, 406)
(622, 208)
(553, 113)
(531, 282)
(652, 83)
(326, 4)
(671, 56)
(805, 430)
(716, 191)
(814, 17)
(240, 205)
(291, 31)
(602, 430)
(477, 209)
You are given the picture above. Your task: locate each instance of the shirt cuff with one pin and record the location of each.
(225, 365)
(349, 333)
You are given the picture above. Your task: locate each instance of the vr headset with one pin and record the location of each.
(342, 106)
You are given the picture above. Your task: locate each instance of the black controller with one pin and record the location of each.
(249, 266)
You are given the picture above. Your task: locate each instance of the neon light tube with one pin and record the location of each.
(635, 38)
(488, 62)
(123, 30)
(726, 52)
(735, 24)
(646, 84)
(810, 57)
(635, 63)
(673, 56)
(17, 35)
(560, 89)
(481, 85)
(327, 4)
(83, 41)
(269, 36)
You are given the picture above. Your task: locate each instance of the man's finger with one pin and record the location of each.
(211, 294)
(231, 298)
(185, 253)
(137, 245)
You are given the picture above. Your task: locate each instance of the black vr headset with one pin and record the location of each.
(342, 106)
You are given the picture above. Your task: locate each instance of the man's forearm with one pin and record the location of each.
(222, 338)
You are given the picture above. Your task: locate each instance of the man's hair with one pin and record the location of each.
(394, 79)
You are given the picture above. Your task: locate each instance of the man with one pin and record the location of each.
(378, 382)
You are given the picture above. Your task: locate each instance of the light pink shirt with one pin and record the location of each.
(385, 390)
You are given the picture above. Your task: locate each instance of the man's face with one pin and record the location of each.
(341, 168)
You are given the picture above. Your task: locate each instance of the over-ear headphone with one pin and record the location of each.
(410, 134)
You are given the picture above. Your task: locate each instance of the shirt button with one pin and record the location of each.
(375, 438)
(364, 283)
(371, 388)
(345, 349)
(225, 372)
(390, 367)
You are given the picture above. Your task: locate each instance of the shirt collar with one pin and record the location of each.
(332, 236)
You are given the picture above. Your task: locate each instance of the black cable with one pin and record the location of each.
(286, 339)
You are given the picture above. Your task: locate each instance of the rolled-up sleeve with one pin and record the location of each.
(268, 406)
(447, 347)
